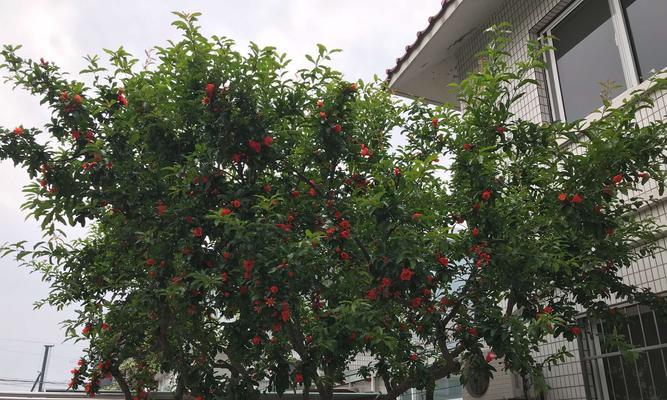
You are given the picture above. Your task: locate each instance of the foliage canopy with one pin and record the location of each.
(250, 225)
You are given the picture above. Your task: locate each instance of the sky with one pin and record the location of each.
(372, 34)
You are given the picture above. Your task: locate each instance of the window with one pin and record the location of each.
(603, 47)
(646, 27)
(609, 376)
(445, 389)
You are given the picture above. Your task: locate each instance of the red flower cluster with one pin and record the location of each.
(254, 146)
(121, 99)
(298, 378)
(483, 258)
(618, 178)
(365, 152)
(197, 231)
(248, 265)
(161, 208)
(284, 312)
(486, 195)
(18, 131)
(406, 274)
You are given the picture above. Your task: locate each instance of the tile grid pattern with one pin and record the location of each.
(566, 380)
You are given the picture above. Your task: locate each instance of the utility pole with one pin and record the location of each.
(42, 373)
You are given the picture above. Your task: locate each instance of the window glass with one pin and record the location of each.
(646, 26)
(635, 328)
(650, 329)
(587, 58)
(645, 376)
(615, 378)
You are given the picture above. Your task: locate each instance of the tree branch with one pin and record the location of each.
(436, 372)
(122, 382)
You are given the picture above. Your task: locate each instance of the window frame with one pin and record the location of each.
(590, 351)
(623, 44)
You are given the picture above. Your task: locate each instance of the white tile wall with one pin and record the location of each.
(566, 380)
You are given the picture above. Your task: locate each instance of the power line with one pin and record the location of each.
(30, 381)
(19, 352)
(24, 340)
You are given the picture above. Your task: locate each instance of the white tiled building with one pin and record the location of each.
(624, 41)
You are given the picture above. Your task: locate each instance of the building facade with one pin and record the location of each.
(602, 45)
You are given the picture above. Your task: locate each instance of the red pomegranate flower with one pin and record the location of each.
(435, 122)
(406, 274)
(121, 100)
(236, 203)
(337, 128)
(486, 195)
(562, 197)
(210, 89)
(197, 231)
(577, 198)
(254, 146)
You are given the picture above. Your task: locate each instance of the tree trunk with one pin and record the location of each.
(430, 389)
(124, 387)
(436, 373)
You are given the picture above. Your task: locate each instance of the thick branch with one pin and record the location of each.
(122, 382)
(436, 372)
(364, 251)
(510, 305)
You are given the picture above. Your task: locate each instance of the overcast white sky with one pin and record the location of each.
(372, 34)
